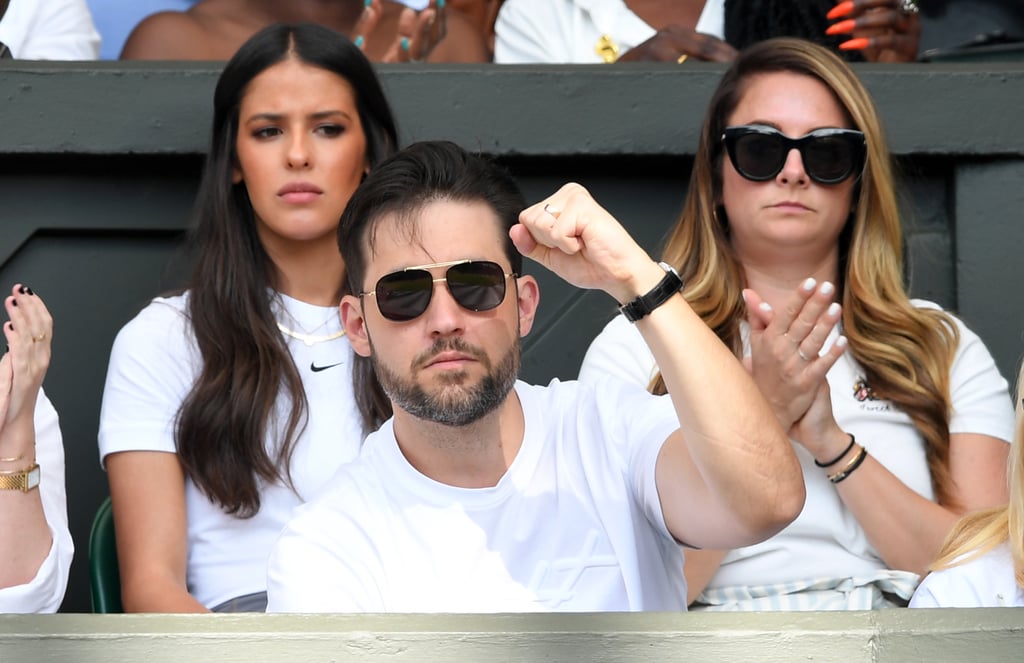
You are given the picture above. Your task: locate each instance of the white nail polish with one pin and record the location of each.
(766, 307)
(809, 284)
(827, 288)
(833, 309)
(841, 342)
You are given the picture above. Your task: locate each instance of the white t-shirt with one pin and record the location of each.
(567, 31)
(826, 541)
(153, 366)
(574, 525)
(45, 591)
(50, 30)
(985, 582)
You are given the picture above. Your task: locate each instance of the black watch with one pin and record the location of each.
(658, 295)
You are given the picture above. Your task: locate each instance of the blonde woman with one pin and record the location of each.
(791, 250)
(982, 563)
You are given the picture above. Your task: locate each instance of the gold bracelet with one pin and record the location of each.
(850, 467)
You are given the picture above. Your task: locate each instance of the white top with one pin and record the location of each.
(826, 541)
(567, 31)
(50, 30)
(46, 591)
(984, 582)
(153, 366)
(574, 525)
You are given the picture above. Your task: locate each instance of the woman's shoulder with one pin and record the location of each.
(985, 581)
(164, 322)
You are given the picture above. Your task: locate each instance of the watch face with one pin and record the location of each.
(32, 478)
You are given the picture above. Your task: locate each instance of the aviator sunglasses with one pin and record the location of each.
(829, 156)
(477, 285)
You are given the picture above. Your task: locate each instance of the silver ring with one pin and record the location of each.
(551, 210)
(909, 7)
(800, 353)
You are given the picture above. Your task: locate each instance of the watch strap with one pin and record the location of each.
(23, 480)
(643, 305)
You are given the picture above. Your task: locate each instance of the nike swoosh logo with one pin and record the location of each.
(316, 369)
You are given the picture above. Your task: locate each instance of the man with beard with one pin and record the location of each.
(485, 494)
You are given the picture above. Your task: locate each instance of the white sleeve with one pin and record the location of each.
(950, 588)
(979, 394)
(620, 351)
(527, 32)
(152, 369)
(323, 563)
(636, 425)
(50, 30)
(45, 592)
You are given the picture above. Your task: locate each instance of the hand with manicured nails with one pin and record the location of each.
(788, 361)
(881, 29)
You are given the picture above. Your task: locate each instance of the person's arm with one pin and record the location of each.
(147, 489)
(905, 527)
(167, 35)
(28, 540)
(150, 373)
(728, 477)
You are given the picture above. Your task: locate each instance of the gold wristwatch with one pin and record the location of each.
(23, 480)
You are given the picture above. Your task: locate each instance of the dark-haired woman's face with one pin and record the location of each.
(301, 152)
(790, 211)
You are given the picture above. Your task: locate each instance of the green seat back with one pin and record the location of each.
(104, 575)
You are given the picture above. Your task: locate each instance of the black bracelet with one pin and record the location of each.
(838, 458)
(848, 470)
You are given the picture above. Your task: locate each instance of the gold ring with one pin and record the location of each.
(40, 337)
(682, 58)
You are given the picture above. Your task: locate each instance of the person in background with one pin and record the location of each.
(791, 250)
(981, 564)
(486, 494)
(226, 405)
(36, 549)
(565, 31)
(385, 30)
(47, 30)
(115, 19)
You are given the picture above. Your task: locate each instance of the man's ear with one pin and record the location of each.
(351, 312)
(528, 295)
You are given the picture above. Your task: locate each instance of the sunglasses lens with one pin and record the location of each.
(404, 295)
(758, 156)
(828, 159)
(477, 285)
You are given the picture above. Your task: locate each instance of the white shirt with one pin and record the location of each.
(575, 523)
(45, 592)
(153, 366)
(984, 582)
(50, 30)
(826, 541)
(567, 31)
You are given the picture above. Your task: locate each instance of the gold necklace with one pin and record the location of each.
(309, 339)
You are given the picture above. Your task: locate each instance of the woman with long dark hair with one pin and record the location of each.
(231, 402)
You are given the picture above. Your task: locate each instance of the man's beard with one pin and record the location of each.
(454, 403)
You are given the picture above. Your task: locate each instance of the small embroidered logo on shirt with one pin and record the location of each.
(316, 369)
